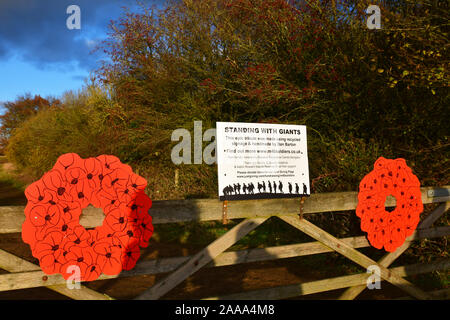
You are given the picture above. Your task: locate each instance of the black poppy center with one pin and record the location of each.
(126, 191)
(108, 255)
(77, 241)
(41, 198)
(61, 191)
(55, 247)
(47, 217)
(74, 181)
(134, 185)
(89, 176)
(143, 225)
(52, 202)
(129, 253)
(133, 207)
(80, 259)
(130, 233)
(66, 209)
(121, 220)
(80, 195)
(64, 227)
(93, 268)
(100, 176)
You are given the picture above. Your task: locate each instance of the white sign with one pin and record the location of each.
(260, 161)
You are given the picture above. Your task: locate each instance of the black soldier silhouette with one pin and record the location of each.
(270, 186)
(244, 188)
(228, 190)
(252, 188)
(280, 187)
(290, 187)
(239, 188)
(297, 188)
(235, 188)
(305, 189)
(259, 187)
(264, 186)
(274, 187)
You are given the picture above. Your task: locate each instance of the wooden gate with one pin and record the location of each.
(24, 274)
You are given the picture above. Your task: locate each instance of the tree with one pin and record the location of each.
(313, 62)
(20, 110)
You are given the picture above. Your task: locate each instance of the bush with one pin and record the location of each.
(81, 125)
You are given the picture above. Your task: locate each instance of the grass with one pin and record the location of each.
(12, 187)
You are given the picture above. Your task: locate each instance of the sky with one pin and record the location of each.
(39, 54)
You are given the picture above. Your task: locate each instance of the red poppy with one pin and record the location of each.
(109, 258)
(126, 194)
(78, 257)
(110, 163)
(52, 264)
(80, 238)
(66, 161)
(79, 187)
(136, 182)
(140, 204)
(146, 228)
(398, 232)
(38, 193)
(117, 219)
(93, 169)
(56, 182)
(52, 244)
(129, 237)
(116, 179)
(93, 271)
(369, 221)
(42, 216)
(107, 199)
(376, 239)
(130, 256)
(65, 226)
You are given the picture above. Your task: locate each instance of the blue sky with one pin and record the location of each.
(40, 55)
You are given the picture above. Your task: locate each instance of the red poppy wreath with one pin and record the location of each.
(389, 229)
(56, 201)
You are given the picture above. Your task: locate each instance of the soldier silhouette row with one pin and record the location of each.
(249, 188)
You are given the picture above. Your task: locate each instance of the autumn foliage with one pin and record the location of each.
(16, 112)
(362, 93)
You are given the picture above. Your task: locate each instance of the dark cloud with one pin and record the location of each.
(36, 31)
(78, 77)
